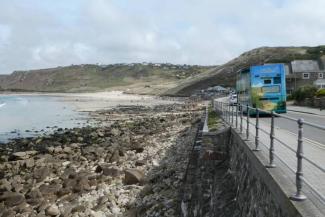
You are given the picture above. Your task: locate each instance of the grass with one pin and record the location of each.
(213, 120)
(84, 78)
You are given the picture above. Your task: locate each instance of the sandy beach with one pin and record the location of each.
(88, 102)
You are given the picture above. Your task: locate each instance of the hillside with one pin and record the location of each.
(225, 74)
(135, 78)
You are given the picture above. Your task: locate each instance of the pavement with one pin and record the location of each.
(307, 110)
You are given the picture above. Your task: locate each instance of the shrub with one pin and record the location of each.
(304, 92)
(290, 97)
(320, 93)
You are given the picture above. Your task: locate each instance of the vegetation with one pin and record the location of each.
(320, 93)
(213, 119)
(304, 92)
(88, 78)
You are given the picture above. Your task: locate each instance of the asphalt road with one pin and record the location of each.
(312, 134)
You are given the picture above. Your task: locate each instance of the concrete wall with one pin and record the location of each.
(259, 194)
(225, 178)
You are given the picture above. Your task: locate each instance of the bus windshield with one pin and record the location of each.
(271, 89)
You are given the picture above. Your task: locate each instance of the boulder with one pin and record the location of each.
(20, 155)
(115, 157)
(12, 198)
(112, 171)
(52, 210)
(34, 197)
(5, 185)
(67, 150)
(140, 163)
(29, 163)
(133, 176)
(41, 173)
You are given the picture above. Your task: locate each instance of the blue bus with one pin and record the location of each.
(262, 87)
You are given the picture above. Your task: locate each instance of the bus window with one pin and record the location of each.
(271, 89)
(277, 80)
(267, 81)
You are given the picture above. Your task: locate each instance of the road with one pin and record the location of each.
(286, 144)
(313, 135)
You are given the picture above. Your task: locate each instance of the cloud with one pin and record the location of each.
(45, 33)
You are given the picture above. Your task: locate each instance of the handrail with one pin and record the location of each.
(229, 116)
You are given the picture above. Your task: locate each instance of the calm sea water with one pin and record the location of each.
(23, 116)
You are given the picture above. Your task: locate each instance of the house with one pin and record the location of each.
(303, 72)
(320, 83)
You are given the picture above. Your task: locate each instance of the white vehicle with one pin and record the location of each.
(233, 99)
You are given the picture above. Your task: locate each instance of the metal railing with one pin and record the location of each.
(227, 113)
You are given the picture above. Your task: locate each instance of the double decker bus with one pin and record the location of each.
(262, 87)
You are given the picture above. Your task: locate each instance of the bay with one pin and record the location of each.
(32, 115)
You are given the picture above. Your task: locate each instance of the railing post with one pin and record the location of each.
(247, 123)
(222, 112)
(236, 115)
(205, 127)
(271, 151)
(232, 115)
(241, 118)
(299, 174)
(257, 130)
(226, 112)
(229, 117)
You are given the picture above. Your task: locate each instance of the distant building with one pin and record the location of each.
(320, 83)
(304, 72)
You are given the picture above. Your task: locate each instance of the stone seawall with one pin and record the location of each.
(225, 178)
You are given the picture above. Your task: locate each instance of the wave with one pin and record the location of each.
(2, 104)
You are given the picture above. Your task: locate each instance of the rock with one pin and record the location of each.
(16, 186)
(65, 163)
(8, 213)
(41, 173)
(58, 150)
(155, 163)
(49, 191)
(52, 210)
(20, 155)
(29, 163)
(133, 176)
(67, 150)
(140, 163)
(31, 152)
(115, 132)
(34, 197)
(12, 198)
(75, 145)
(50, 149)
(79, 208)
(112, 171)
(115, 157)
(5, 185)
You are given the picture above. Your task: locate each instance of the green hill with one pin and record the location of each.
(138, 78)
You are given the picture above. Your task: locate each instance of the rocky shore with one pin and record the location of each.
(132, 164)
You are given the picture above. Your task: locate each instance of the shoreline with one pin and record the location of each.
(94, 101)
(117, 170)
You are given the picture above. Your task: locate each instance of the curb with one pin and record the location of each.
(312, 113)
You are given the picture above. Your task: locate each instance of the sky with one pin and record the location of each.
(48, 33)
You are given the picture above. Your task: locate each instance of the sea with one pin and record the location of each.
(30, 115)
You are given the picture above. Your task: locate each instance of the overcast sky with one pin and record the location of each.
(48, 33)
